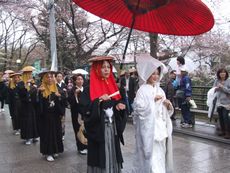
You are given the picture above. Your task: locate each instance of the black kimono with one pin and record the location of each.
(96, 123)
(3, 93)
(14, 107)
(28, 120)
(75, 110)
(63, 101)
(50, 125)
(63, 104)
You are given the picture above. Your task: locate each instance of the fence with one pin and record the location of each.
(199, 94)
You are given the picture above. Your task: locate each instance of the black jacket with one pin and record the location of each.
(94, 121)
(63, 101)
(132, 87)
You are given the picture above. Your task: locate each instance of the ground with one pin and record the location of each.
(191, 155)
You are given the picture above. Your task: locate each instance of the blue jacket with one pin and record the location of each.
(186, 85)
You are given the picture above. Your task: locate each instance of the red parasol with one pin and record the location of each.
(174, 17)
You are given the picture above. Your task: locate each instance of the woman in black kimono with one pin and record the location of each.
(27, 95)
(3, 91)
(14, 101)
(104, 118)
(73, 97)
(51, 131)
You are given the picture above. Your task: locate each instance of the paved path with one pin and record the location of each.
(191, 155)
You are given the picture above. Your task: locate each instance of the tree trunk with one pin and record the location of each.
(153, 44)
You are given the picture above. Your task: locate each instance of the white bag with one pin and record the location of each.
(193, 104)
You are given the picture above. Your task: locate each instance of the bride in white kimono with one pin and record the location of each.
(151, 116)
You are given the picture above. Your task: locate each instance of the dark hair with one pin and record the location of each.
(181, 59)
(172, 72)
(222, 70)
(57, 73)
(74, 77)
(159, 70)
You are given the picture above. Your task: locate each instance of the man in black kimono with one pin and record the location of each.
(128, 87)
(61, 86)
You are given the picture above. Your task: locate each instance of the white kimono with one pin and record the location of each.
(153, 132)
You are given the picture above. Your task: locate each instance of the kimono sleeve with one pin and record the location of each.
(141, 105)
(120, 119)
(90, 110)
(22, 91)
(143, 116)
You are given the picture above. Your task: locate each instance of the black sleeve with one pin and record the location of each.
(84, 102)
(22, 91)
(71, 97)
(94, 122)
(121, 120)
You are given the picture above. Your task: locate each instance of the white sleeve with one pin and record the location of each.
(141, 105)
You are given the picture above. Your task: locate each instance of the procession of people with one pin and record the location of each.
(99, 111)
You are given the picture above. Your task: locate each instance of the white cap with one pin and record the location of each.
(183, 68)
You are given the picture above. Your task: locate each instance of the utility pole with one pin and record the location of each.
(53, 46)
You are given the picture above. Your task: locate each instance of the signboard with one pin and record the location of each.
(37, 66)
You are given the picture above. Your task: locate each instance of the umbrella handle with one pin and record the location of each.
(127, 42)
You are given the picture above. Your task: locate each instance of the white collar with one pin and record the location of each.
(81, 89)
(59, 84)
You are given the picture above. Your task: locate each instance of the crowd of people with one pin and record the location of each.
(99, 110)
(178, 90)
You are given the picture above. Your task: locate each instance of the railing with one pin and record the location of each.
(199, 94)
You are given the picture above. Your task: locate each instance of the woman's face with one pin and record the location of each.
(50, 79)
(105, 69)
(178, 63)
(155, 76)
(79, 81)
(223, 75)
(16, 79)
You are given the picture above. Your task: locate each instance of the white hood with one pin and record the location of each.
(146, 65)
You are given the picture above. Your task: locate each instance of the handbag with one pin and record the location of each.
(81, 135)
(192, 104)
(179, 94)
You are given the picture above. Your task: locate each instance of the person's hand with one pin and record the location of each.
(188, 99)
(58, 94)
(158, 97)
(64, 89)
(220, 86)
(29, 81)
(120, 106)
(104, 97)
(77, 91)
(41, 88)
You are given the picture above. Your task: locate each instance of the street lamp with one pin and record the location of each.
(18, 62)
